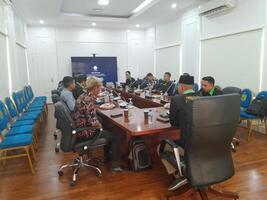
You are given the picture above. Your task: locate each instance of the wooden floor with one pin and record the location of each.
(16, 181)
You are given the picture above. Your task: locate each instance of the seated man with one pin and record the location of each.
(165, 85)
(178, 118)
(66, 94)
(148, 80)
(129, 80)
(80, 84)
(208, 88)
(85, 115)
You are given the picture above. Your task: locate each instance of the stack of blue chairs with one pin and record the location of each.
(246, 98)
(15, 138)
(20, 122)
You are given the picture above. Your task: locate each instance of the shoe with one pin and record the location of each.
(176, 183)
(116, 170)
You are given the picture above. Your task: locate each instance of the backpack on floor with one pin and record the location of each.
(258, 107)
(139, 158)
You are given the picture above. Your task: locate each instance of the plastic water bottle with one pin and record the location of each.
(150, 117)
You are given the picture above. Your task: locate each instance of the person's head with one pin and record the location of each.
(82, 79)
(150, 77)
(128, 74)
(68, 83)
(186, 74)
(207, 83)
(167, 76)
(93, 85)
(186, 82)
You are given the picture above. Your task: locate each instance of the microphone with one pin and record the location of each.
(166, 92)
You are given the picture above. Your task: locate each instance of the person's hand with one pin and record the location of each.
(97, 125)
(1, 138)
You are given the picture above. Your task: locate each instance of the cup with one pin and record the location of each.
(146, 114)
(126, 113)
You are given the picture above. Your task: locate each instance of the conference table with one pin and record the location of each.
(136, 124)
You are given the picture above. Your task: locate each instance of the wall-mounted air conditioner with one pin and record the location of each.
(216, 6)
(8, 2)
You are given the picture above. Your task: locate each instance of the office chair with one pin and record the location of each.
(55, 98)
(68, 142)
(233, 90)
(207, 156)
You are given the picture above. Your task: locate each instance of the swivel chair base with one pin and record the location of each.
(203, 194)
(77, 165)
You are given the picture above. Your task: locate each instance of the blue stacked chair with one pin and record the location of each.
(196, 87)
(15, 138)
(246, 98)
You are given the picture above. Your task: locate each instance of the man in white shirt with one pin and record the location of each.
(66, 94)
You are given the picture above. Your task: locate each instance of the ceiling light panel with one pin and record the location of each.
(103, 2)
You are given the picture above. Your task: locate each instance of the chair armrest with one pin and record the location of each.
(77, 130)
(175, 148)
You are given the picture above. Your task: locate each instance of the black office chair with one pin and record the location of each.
(55, 96)
(207, 156)
(233, 90)
(69, 143)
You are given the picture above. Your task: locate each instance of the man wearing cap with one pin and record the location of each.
(178, 118)
(208, 88)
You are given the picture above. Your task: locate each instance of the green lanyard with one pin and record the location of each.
(189, 91)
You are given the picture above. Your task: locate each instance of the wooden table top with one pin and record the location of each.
(136, 124)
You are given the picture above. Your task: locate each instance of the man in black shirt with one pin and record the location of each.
(208, 87)
(148, 80)
(165, 85)
(80, 84)
(129, 79)
(178, 118)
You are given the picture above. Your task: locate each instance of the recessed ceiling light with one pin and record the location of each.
(41, 21)
(142, 5)
(103, 2)
(93, 24)
(174, 5)
(137, 25)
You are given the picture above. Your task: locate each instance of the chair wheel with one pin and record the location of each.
(72, 183)
(56, 149)
(60, 173)
(99, 175)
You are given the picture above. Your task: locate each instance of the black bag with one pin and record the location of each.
(139, 158)
(258, 107)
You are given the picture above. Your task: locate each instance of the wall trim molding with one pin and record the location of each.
(91, 42)
(21, 45)
(168, 46)
(231, 33)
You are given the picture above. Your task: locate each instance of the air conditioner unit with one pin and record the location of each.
(8, 2)
(216, 6)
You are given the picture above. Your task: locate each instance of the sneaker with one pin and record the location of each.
(176, 183)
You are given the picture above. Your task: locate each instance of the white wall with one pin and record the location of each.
(168, 49)
(133, 49)
(224, 45)
(14, 74)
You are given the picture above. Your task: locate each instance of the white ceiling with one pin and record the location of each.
(117, 14)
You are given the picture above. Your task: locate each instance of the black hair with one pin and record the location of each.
(186, 74)
(128, 72)
(81, 78)
(209, 79)
(149, 74)
(168, 73)
(67, 81)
